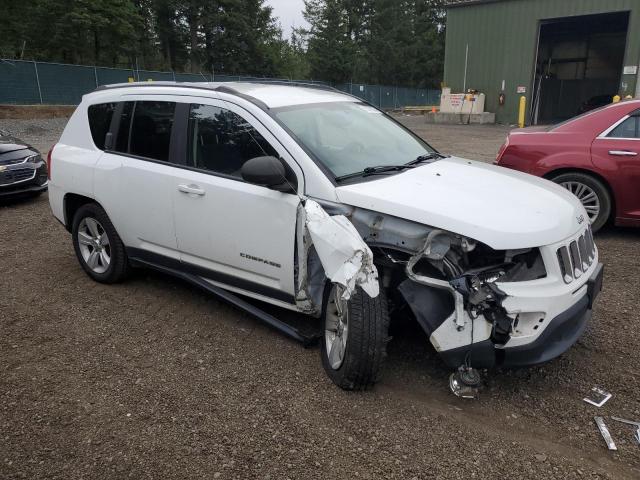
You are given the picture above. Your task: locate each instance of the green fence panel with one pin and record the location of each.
(434, 97)
(26, 82)
(387, 97)
(18, 83)
(226, 78)
(192, 77)
(65, 84)
(146, 75)
(109, 76)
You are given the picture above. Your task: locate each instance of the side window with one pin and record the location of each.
(145, 129)
(627, 129)
(222, 141)
(151, 129)
(99, 121)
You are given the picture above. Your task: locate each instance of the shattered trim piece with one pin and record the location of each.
(597, 397)
(604, 431)
(346, 258)
(636, 433)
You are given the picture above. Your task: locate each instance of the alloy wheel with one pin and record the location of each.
(336, 327)
(587, 197)
(94, 245)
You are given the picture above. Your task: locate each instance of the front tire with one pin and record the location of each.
(353, 346)
(591, 192)
(98, 246)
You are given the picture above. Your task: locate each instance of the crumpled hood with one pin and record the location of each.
(502, 208)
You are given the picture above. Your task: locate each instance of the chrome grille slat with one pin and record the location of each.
(575, 258)
(565, 264)
(14, 161)
(576, 263)
(591, 245)
(582, 248)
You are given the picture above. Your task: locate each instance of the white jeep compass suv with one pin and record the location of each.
(309, 199)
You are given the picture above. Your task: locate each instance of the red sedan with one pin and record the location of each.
(596, 156)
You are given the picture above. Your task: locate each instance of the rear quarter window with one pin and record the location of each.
(100, 116)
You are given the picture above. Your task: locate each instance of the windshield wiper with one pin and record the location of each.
(384, 169)
(426, 157)
(381, 170)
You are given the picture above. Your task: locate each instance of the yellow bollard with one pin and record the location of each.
(521, 111)
(616, 99)
(131, 80)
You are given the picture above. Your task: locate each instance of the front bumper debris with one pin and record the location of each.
(560, 334)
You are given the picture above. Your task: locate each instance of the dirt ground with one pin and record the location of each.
(155, 379)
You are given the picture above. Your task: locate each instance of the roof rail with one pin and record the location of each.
(227, 87)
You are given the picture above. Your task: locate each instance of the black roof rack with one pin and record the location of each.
(227, 87)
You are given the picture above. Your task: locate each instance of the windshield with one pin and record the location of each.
(349, 137)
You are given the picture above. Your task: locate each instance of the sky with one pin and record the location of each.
(289, 13)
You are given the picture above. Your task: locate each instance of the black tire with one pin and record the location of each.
(366, 344)
(118, 268)
(601, 191)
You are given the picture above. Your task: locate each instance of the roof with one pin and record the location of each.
(268, 94)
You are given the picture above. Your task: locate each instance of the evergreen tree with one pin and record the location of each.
(331, 51)
(398, 42)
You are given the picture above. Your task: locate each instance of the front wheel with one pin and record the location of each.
(591, 192)
(354, 342)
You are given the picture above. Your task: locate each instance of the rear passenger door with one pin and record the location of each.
(135, 177)
(229, 231)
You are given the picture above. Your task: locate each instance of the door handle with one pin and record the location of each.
(192, 189)
(623, 153)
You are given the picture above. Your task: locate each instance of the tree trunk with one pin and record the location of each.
(194, 24)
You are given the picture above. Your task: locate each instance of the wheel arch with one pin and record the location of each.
(71, 203)
(559, 171)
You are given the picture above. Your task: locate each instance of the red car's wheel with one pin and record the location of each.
(593, 195)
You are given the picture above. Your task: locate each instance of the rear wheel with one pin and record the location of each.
(355, 338)
(591, 192)
(98, 247)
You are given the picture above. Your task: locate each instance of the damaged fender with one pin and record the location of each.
(345, 257)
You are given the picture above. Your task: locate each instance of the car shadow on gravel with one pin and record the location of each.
(619, 233)
(18, 200)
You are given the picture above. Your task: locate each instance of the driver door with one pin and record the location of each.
(228, 231)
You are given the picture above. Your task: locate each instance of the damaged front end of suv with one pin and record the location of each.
(479, 306)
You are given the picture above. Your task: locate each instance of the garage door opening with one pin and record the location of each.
(579, 64)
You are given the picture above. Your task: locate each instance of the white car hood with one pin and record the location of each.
(502, 208)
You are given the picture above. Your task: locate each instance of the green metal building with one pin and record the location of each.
(562, 55)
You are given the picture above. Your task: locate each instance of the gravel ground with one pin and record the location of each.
(154, 379)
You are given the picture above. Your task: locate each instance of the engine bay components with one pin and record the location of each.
(465, 382)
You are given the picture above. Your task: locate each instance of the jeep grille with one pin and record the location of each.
(576, 257)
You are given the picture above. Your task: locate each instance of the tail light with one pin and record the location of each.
(49, 162)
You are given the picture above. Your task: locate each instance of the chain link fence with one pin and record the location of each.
(27, 82)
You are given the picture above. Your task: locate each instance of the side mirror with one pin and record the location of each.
(266, 171)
